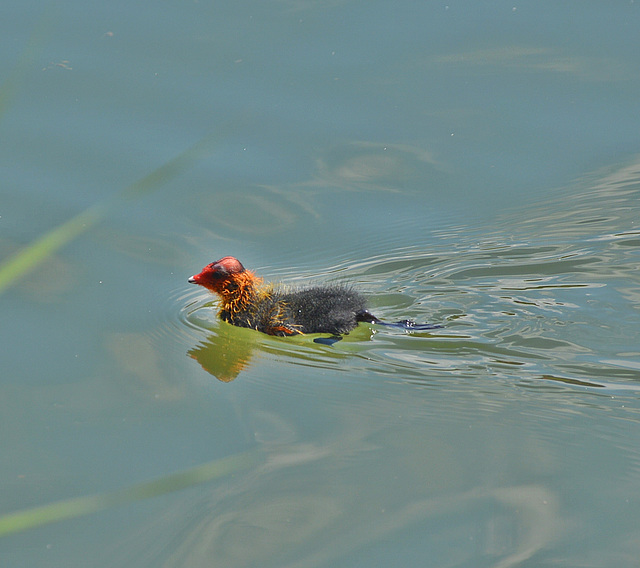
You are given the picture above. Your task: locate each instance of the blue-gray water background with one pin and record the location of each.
(474, 164)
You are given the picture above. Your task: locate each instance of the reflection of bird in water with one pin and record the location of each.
(222, 355)
(247, 302)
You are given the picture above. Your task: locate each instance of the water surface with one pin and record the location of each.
(467, 165)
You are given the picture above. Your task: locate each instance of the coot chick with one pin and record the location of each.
(247, 302)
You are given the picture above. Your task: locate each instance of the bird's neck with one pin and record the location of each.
(239, 293)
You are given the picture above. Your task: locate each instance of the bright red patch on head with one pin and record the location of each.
(215, 274)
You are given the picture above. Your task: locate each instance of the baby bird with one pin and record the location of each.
(247, 302)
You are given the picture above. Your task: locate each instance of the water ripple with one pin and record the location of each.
(522, 300)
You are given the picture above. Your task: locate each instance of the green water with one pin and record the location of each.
(469, 165)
